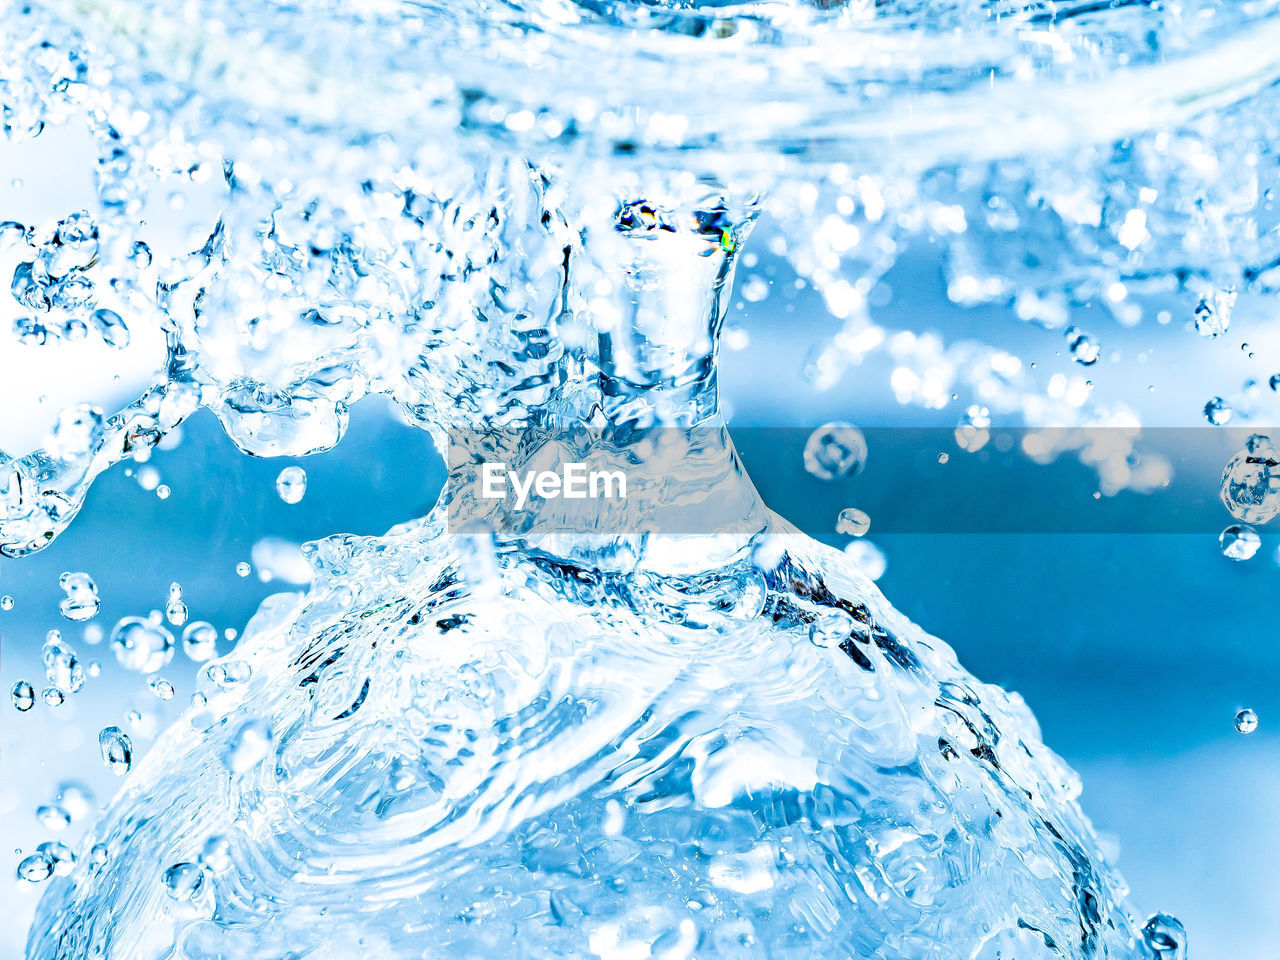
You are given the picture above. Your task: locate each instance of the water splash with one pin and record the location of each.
(639, 745)
(390, 747)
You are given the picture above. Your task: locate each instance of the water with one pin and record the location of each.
(620, 744)
(692, 739)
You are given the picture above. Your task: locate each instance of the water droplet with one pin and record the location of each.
(60, 857)
(184, 882)
(868, 558)
(162, 688)
(1246, 721)
(140, 254)
(1217, 411)
(23, 696)
(944, 457)
(200, 641)
(53, 696)
(1251, 482)
(175, 611)
(35, 869)
(1165, 937)
(81, 601)
(61, 665)
(242, 569)
(1274, 382)
(110, 326)
(6, 602)
(248, 747)
(53, 817)
(98, 855)
(1239, 542)
(141, 645)
(291, 484)
(163, 491)
(852, 522)
(835, 450)
(116, 749)
(1084, 349)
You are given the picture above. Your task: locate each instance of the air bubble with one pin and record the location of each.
(184, 882)
(81, 601)
(852, 522)
(23, 695)
(835, 450)
(1251, 482)
(116, 749)
(1084, 349)
(200, 641)
(1239, 542)
(35, 869)
(61, 665)
(175, 610)
(1165, 937)
(141, 645)
(1246, 721)
(1217, 411)
(291, 484)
